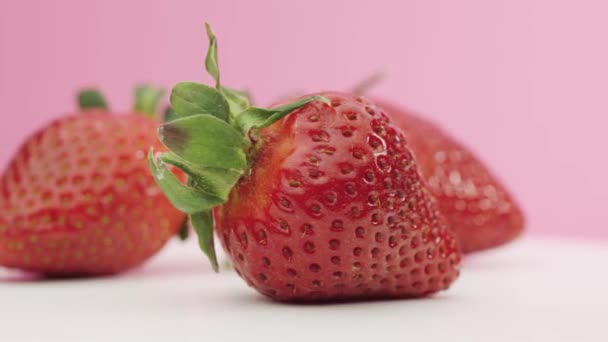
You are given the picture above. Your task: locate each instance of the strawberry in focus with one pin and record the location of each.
(334, 208)
(77, 198)
(317, 199)
(477, 206)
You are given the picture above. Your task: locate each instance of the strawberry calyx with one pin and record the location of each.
(91, 99)
(208, 138)
(147, 99)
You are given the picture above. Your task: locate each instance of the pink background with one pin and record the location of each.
(525, 81)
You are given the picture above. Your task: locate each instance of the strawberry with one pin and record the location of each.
(77, 198)
(477, 206)
(317, 199)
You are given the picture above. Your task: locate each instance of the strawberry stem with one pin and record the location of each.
(211, 63)
(237, 100)
(363, 86)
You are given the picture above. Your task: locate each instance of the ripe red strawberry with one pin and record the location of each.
(319, 199)
(77, 198)
(477, 206)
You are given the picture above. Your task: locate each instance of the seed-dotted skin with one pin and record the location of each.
(477, 206)
(78, 198)
(334, 209)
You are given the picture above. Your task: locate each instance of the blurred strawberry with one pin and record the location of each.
(477, 206)
(77, 198)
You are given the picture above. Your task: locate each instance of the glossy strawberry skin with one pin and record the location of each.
(77, 199)
(477, 206)
(333, 209)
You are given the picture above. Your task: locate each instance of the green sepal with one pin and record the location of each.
(91, 98)
(147, 99)
(185, 198)
(184, 230)
(206, 141)
(260, 117)
(216, 182)
(189, 98)
(202, 222)
(169, 114)
(237, 100)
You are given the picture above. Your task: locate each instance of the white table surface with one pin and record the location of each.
(533, 290)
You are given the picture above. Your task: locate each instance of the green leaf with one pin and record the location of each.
(91, 98)
(147, 99)
(237, 100)
(184, 198)
(260, 117)
(206, 141)
(216, 182)
(211, 60)
(184, 230)
(203, 225)
(189, 98)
